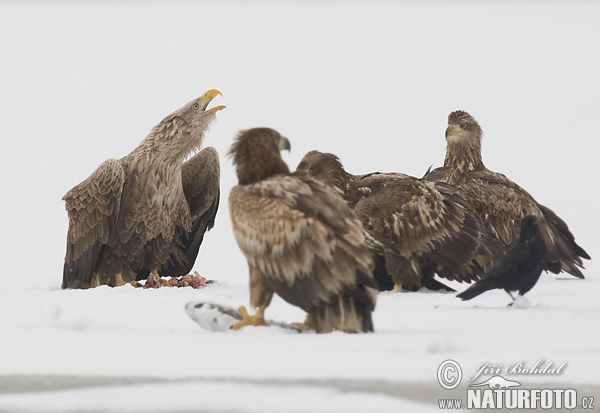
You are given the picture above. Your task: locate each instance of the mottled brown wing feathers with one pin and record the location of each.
(200, 178)
(504, 204)
(93, 209)
(501, 204)
(415, 222)
(322, 205)
(302, 238)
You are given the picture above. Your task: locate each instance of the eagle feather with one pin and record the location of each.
(299, 237)
(500, 203)
(414, 229)
(141, 213)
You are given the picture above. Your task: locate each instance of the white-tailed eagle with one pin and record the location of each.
(415, 229)
(500, 203)
(300, 239)
(146, 212)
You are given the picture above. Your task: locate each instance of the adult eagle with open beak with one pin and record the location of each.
(148, 211)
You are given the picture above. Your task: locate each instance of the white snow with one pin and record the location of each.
(372, 82)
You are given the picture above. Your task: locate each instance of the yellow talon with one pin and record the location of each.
(254, 320)
(398, 288)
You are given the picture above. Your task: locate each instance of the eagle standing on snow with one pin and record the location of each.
(414, 228)
(148, 211)
(300, 238)
(499, 202)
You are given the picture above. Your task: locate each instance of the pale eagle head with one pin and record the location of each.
(182, 132)
(463, 129)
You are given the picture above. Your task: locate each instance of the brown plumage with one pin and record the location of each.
(300, 239)
(414, 229)
(499, 202)
(148, 211)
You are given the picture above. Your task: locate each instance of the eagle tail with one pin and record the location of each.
(351, 313)
(78, 273)
(68, 277)
(568, 254)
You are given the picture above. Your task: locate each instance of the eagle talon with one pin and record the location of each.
(250, 320)
(306, 325)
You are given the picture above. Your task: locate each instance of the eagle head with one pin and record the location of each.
(195, 117)
(326, 167)
(256, 154)
(182, 132)
(462, 127)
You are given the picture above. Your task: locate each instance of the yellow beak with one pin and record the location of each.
(284, 143)
(207, 97)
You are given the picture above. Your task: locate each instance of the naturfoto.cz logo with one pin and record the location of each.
(499, 393)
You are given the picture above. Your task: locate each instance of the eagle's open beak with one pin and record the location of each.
(452, 130)
(207, 97)
(284, 143)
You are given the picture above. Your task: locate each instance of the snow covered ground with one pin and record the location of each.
(136, 349)
(372, 82)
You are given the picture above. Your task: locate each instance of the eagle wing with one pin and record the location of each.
(93, 210)
(302, 239)
(501, 204)
(200, 177)
(414, 222)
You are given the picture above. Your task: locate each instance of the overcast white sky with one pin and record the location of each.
(372, 82)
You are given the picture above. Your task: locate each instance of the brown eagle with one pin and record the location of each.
(500, 203)
(415, 229)
(300, 238)
(148, 211)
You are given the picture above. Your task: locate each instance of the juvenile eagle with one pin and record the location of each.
(415, 229)
(521, 267)
(300, 238)
(148, 211)
(499, 202)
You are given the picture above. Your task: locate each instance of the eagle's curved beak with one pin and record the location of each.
(452, 130)
(284, 143)
(207, 97)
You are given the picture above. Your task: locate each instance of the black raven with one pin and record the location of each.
(519, 269)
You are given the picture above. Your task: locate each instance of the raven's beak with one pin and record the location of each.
(284, 143)
(207, 97)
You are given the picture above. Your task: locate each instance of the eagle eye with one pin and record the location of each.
(195, 105)
(463, 126)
